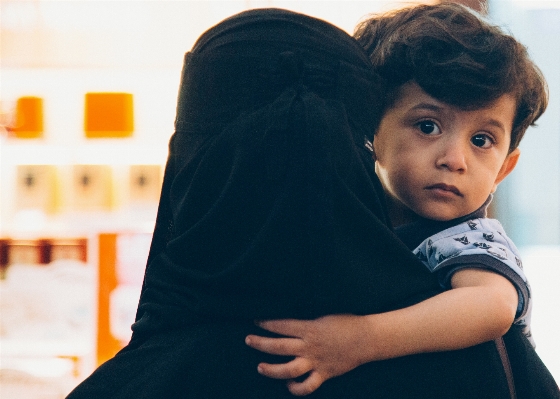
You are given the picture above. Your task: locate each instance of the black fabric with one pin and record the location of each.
(532, 378)
(270, 208)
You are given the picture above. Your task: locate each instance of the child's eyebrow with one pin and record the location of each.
(496, 123)
(427, 106)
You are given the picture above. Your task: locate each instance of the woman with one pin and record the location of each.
(270, 209)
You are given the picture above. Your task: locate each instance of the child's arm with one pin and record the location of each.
(480, 307)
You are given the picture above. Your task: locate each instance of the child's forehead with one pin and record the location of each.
(412, 93)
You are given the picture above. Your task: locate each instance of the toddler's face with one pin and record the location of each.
(440, 161)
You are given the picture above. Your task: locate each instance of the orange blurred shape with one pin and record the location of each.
(29, 118)
(107, 344)
(108, 115)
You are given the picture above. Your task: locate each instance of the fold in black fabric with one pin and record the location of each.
(270, 208)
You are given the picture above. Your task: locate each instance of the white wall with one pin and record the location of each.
(528, 201)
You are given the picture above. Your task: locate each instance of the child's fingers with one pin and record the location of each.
(309, 385)
(275, 346)
(285, 371)
(289, 327)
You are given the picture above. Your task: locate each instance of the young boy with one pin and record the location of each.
(460, 96)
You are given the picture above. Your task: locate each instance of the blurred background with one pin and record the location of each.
(87, 105)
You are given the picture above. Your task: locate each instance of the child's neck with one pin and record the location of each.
(400, 214)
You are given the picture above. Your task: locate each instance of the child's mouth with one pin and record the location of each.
(445, 189)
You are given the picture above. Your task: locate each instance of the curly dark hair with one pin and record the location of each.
(457, 57)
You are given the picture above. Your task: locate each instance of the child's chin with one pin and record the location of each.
(439, 216)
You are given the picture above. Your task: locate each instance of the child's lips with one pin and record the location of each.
(445, 189)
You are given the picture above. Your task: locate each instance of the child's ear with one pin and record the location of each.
(507, 167)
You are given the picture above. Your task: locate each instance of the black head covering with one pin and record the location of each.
(270, 206)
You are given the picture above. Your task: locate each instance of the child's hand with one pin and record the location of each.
(324, 348)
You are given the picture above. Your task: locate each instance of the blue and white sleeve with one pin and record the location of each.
(478, 243)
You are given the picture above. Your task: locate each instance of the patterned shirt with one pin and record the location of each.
(478, 243)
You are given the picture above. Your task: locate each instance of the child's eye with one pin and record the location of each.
(482, 141)
(428, 127)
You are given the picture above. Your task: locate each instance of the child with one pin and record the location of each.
(460, 96)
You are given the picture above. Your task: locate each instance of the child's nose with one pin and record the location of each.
(453, 156)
